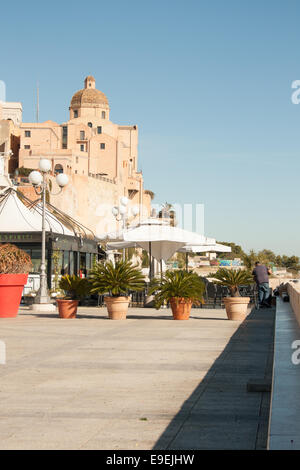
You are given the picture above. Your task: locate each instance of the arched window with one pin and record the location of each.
(90, 124)
(58, 168)
(103, 114)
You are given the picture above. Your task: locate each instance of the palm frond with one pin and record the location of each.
(116, 279)
(177, 284)
(74, 286)
(232, 279)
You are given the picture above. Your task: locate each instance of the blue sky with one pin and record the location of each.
(207, 82)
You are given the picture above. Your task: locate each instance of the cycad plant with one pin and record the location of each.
(233, 279)
(177, 285)
(13, 260)
(74, 287)
(117, 280)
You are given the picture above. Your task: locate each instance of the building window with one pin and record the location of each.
(65, 137)
(75, 172)
(58, 169)
(102, 146)
(27, 133)
(82, 135)
(75, 113)
(90, 124)
(103, 114)
(99, 130)
(27, 147)
(82, 148)
(76, 159)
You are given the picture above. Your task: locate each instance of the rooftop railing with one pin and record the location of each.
(101, 177)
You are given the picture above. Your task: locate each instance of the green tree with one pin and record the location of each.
(291, 262)
(236, 251)
(266, 256)
(249, 260)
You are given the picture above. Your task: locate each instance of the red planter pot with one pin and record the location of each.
(181, 308)
(67, 308)
(11, 288)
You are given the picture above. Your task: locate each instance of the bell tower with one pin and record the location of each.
(89, 82)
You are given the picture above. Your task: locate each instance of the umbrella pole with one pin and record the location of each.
(186, 261)
(150, 262)
(161, 273)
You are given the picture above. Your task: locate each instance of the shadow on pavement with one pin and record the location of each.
(221, 413)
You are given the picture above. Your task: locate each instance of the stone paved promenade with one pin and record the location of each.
(148, 382)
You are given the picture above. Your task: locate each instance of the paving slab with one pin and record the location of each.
(147, 382)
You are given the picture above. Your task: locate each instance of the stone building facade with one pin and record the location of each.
(11, 111)
(99, 156)
(10, 119)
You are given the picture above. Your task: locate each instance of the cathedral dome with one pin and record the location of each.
(89, 96)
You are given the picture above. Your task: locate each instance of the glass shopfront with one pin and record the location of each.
(35, 254)
(64, 254)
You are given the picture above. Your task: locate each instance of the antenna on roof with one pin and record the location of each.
(37, 102)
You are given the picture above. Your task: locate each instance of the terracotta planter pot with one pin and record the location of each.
(11, 288)
(117, 307)
(67, 308)
(236, 307)
(181, 308)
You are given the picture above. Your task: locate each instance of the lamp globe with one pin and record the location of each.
(62, 180)
(135, 210)
(35, 178)
(122, 210)
(124, 201)
(44, 165)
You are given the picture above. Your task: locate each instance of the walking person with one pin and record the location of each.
(261, 277)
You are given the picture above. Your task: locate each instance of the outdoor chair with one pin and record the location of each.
(137, 298)
(247, 291)
(221, 292)
(210, 296)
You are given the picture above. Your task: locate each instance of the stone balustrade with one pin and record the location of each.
(284, 424)
(294, 295)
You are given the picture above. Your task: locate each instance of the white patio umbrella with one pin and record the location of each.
(161, 241)
(217, 247)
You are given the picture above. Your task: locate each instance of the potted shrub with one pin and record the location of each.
(29, 298)
(116, 280)
(181, 288)
(75, 288)
(235, 305)
(15, 265)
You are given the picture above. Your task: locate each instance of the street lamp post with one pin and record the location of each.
(3, 171)
(39, 181)
(121, 212)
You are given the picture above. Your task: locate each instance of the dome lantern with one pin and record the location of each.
(89, 101)
(89, 82)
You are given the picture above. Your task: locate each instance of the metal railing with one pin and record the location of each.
(213, 297)
(102, 178)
